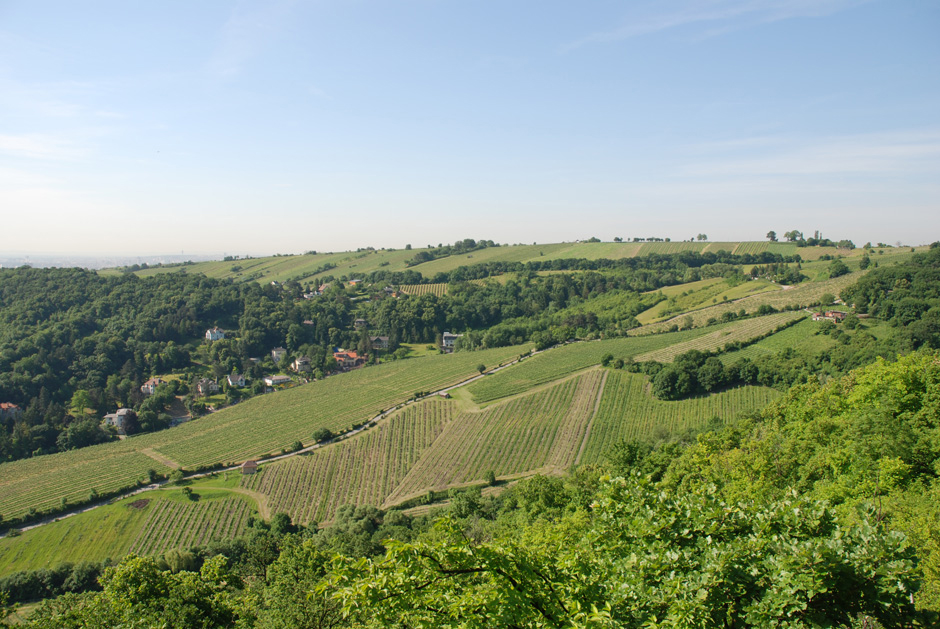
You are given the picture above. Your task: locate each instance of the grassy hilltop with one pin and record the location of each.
(308, 268)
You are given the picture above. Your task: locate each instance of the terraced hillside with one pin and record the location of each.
(799, 296)
(258, 426)
(741, 331)
(700, 294)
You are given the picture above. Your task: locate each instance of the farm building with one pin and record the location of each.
(836, 316)
(249, 467)
(379, 342)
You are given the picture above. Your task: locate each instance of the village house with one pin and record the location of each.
(322, 288)
(215, 334)
(235, 380)
(448, 340)
(379, 342)
(205, 387)
(348, 360)
(360, 323)
(354, 282)
(117, 418)
(273, 381)
(10, 411)
(277, 354)
(301, 364)
(836, 316)
(151, 385)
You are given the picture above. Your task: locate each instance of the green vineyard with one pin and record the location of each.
(629, 411)
(177, 524)
(362, 470)
(151, 524)
(541, 432)
(561, 361)
(737, 332)
(802, 295)
(261, 425)
(44, 481)
(438, 290)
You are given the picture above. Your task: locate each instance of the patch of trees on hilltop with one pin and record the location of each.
(466, 245)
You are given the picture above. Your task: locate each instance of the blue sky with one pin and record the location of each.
(274, 126)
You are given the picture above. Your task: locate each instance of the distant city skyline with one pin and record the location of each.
(282, 126)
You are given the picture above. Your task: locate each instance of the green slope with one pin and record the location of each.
(253, 428)
(151, 523)
(308, 268)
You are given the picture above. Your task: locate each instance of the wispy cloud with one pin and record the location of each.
(717, 16)
(250, 27)
(40, 146)
(872, 154)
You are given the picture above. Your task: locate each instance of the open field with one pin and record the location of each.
(261, 425)
(629, 411)
(149, 524)
(362, 470)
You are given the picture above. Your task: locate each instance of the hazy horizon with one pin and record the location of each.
(282, 126)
